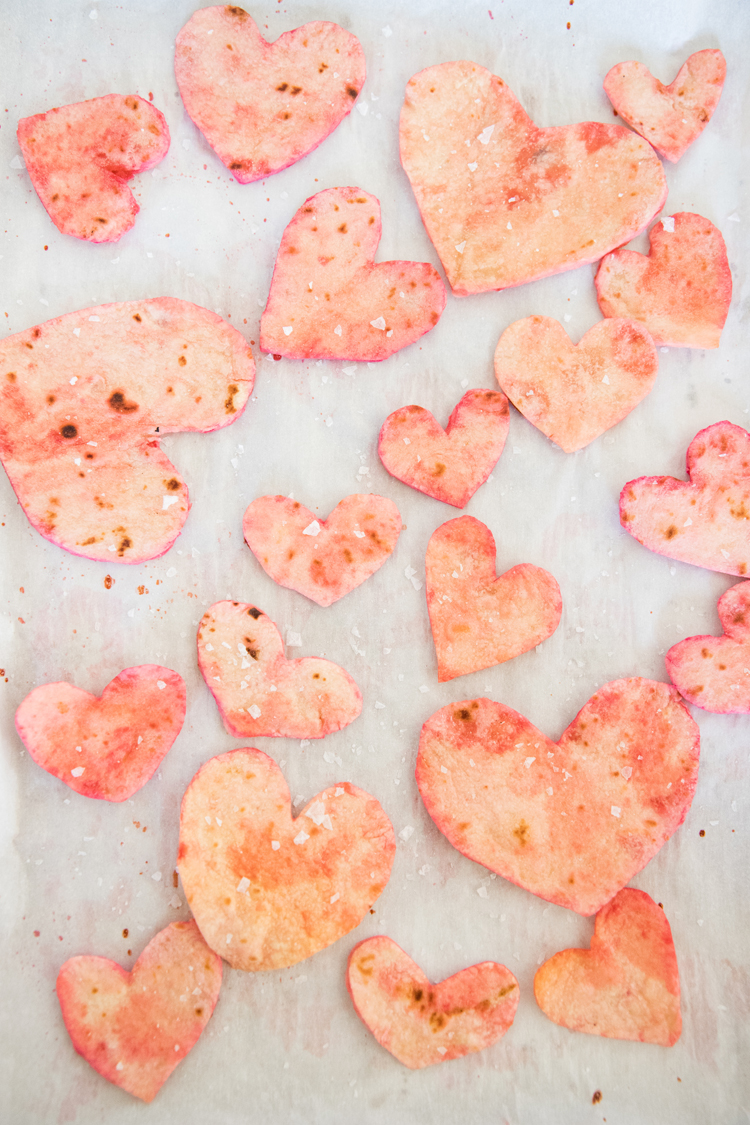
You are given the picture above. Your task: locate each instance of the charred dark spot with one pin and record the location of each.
(125, 543)
(351, 91)
(284, 86)
(240, 13)
(172, 484)
(69, 431)
(119, 405)
(99, 219)
(418, 994)
(236, 165)
(295, 90)
(285, 116)
(253, 612)
(138, 317)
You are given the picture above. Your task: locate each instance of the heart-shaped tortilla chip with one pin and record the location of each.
(707, 521)
(505, 202)
(262, 106)
(669, 117)
(80, 158)
(422, 1023)
(135, 1027)
(714, 672)
(574, 392)
(84, 400)
(268, 891)
(571, 821)
(627, 985)
(328, 298)
(477, 618)
(681, 289)
(108, 746)
(449, 464)
(261, 693)
(322, 559)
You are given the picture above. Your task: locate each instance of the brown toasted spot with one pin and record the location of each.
(108, 582)
(670, 532)
(240, 13)
(138, 317)
(11, 376)
(50, 399)
(437, 1021)
(348, 555)
(172, 484)
(182, 361)
(229, 407)
(439, 469)
(89, 541)
(521, 833)
(295, 90)
(284, 86)
(125, 543)
(362, 965)
(236, 165)
(342, 228)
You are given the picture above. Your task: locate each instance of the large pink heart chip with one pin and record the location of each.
(680, 290)
(449, 464)
(477, 618)
(669, 117)
(328, 298)
(714, 672)
(322, 559)
(84, 402)
(108, 746)
(261, 693)
(706, 521)
(571, 821)
(505, 202)
(135, 1027)
(422, 1023)
(574, 392)
(262, 106)
(627, 986)
(80, 158)
(267, 890)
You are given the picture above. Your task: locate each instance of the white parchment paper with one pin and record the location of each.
(76, 874)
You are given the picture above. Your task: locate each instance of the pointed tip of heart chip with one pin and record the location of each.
(105, 747)
(327, 288)
(421, 1023)
(713, 673)
(267, 890)
(135, 1027)
(703, 521)
(80, 158)
(627, 985)
(571, 821)
(263, 106)
(669, 117)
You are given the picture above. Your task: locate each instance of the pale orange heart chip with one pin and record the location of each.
(627, 985)
(477, 618)
(135, 1027)
(448, 464)
(574, 392)
(267, 890)
(421, 1023)
(505, 202)
(714, 672)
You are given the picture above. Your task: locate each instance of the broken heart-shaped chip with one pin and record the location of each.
(261, 693)
(714, 672)
(421, 1023)
(669, 117)
(135, 1027)
(262, 106)
(477, 618)
(505, 202)
(268, 890)
(627, 985)
(322, 559)
(574, 392)
(706, 521)
(84, 401)
(328, 298)
(571, 821)
(108, 746)
(80, 158)
(681, 290)
(449, 464)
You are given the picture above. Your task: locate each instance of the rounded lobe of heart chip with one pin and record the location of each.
(573, 393)
(135, 1027)
(266, 890)
(681, 290)
(84, 401)
(328, 297)
(703, 521)
(421, 1023)
(448, 464)
(80, 157)
(322, 559)
(477, 618)
(517, 202)
(261, 693)
(105, 747)
(263, 106)
(627, 985)
(713, 673)
(669, 117)
(571, 821)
